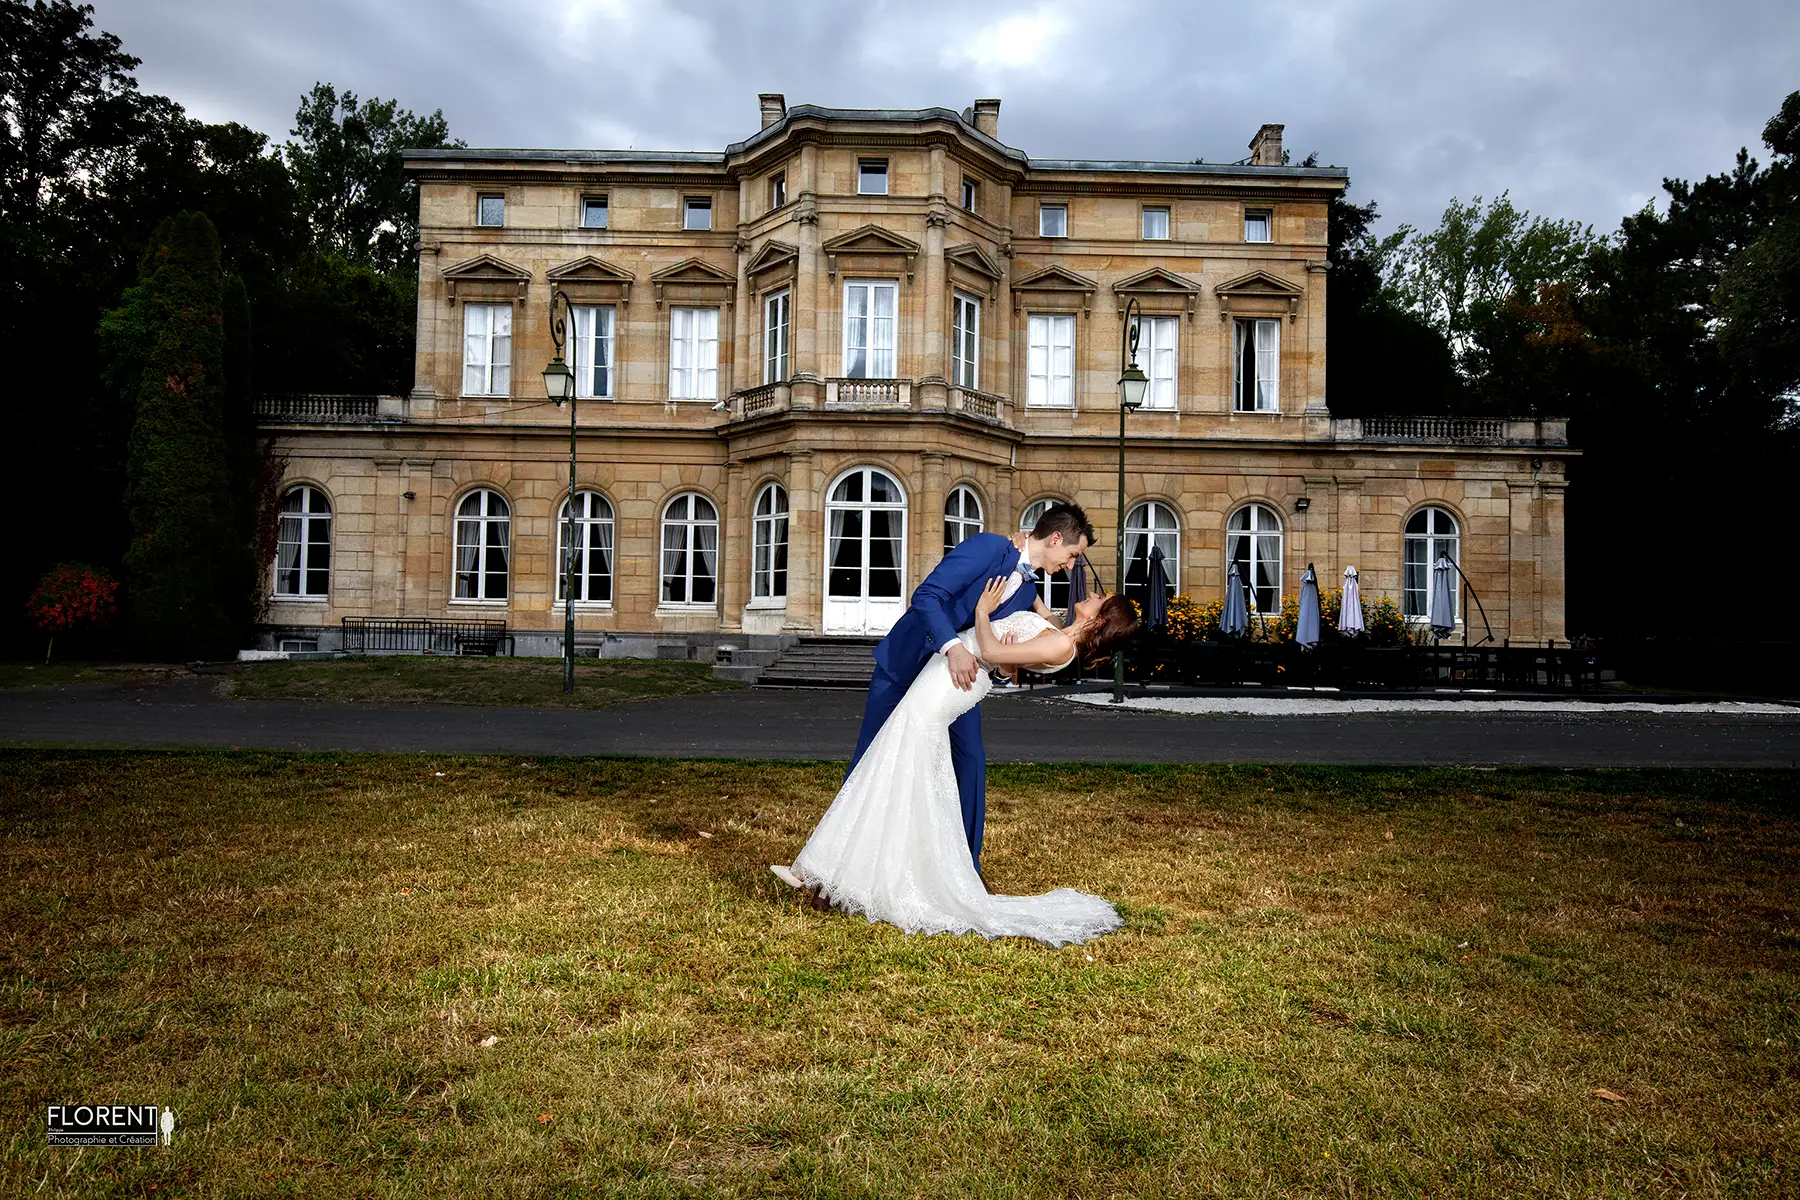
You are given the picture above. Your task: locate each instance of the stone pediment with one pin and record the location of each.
(870, 241)
(1156, 282)
(589, 273)
(1262, 290)
(772, 255)
(1055, 279)
(697, 277)
(488, 275)
(975, 259)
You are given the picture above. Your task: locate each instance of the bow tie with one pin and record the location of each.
(1027, 574)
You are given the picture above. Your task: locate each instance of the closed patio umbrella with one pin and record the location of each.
(1307, 632)
(1441, 611)
(1156, 594)
(1350, 613)
(1234, 621)
(1077, 585)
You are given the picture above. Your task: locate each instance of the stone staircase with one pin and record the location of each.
(820, 662)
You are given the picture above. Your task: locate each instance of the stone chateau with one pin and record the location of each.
(810, 363)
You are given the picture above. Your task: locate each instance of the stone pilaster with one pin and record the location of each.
(928, 515)
(806, 533)
(734, 550)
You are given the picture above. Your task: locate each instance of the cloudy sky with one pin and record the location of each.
(1579, 108)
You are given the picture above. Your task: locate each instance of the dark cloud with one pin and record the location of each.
(1580, 109)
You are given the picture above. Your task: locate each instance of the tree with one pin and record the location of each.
(354, 190)
(179, 567)
(1758, 295)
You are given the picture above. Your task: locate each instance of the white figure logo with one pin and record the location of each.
(168, 1126)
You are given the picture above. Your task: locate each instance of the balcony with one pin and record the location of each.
(327, 408)
(982, 406)
(771, 399)
(1452, 431)
(869, 395)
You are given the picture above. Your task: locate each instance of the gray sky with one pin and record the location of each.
(1580, 108)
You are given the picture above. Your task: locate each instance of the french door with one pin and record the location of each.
(865, 552)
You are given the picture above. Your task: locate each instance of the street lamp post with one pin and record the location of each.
(559, 385)
(1131, 394)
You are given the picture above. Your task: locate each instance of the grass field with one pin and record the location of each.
(397, 976)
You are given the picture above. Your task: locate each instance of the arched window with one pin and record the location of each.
(768, 566)
(1055, 588)
(1430, 533)
(1151, 524)
(303, 546)
(962, 516)
(593, 549)
(690, 551)
(1253, 542)
(483, 545)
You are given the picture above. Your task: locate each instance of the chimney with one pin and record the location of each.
(987, 117)
(774, 107)
(1265, 147)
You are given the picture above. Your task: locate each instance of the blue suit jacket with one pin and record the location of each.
(945, 603)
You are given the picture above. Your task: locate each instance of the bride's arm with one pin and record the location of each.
(1049, 648)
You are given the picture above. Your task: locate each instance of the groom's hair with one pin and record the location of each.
(1066, 519)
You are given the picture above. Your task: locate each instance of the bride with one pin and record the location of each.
(892, 845)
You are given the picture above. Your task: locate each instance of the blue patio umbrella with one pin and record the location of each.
(1441, 610)
(1350, 611)
(1307, 632)
(1156, 594)
(1234, 621)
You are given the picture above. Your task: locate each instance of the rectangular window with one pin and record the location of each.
(965, 341)
(698, 214)
(693, 353)
(970, 192)
(593, 351)
(593, 212)
(487, 349)
(778, 190)
(1156, 224)
(869, 307)
(1257, 225)
(1256, 362)
(871, 176)
(1053, 220)
(1050, 361)
(490, 210)
(775, 338)
(1157, 339)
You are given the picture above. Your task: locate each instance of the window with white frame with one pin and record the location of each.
(593, 212)
(592, 547)
(965, 340)
(1149, 526)
(778, 189)
(690, 551)
(1053, 220)
(971, 193)
(490, 209)
(1431, 533)
(1157, 341)
(1052, 589)
(487, 349)
(869, 328)
(962, 516)
(483, 546)
(693, 353)
(872, 176)
(1253, 542)
(1256, 365)
(1156, 224)
(775, 337)
(769, 550)
(303, 545)
(1258, 225)
(1050, 360)
(697, 213)
(592, 347)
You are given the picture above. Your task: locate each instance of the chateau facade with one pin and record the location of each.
(809, 364)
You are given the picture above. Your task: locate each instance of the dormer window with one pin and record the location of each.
(872, 176)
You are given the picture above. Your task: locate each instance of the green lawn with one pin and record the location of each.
(396, 976)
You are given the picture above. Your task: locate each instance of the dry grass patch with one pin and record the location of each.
(408, 975)
(511, 682)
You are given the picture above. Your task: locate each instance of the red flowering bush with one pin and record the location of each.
(72, 597)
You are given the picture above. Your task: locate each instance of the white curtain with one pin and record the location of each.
(1268, 365)
(706, 554)
(1156, 354)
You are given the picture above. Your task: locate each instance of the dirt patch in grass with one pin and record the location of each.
(512, 682)
(514, 976)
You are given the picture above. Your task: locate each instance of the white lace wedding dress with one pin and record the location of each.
(892, 846)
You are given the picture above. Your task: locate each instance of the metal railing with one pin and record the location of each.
(424, 635)
(316, 407)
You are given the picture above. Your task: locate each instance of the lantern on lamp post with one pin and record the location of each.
(1132, 385)
(559, 387)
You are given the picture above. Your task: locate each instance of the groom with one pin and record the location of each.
(943, 606)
